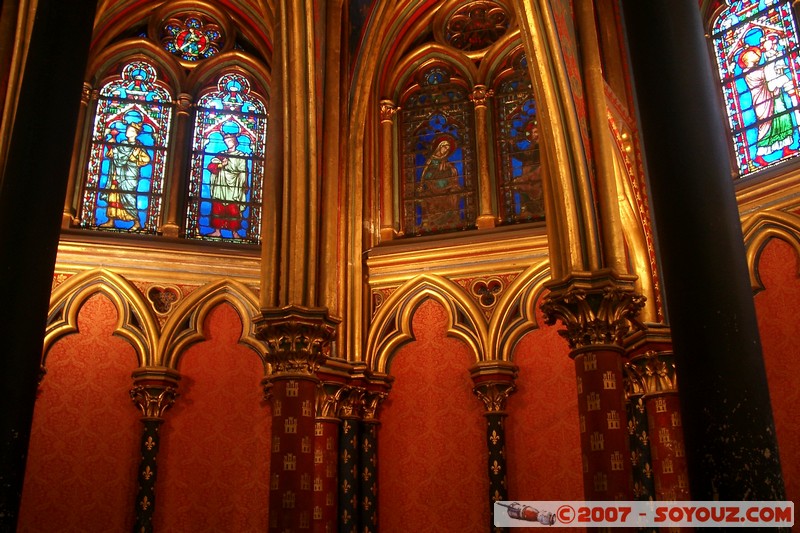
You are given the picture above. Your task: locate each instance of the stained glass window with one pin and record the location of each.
(230, 132)
(437, 155)
(755, 43)
(517, 128)
(192, 37)
(123, 188)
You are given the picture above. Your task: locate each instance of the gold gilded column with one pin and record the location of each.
(154, 392)
(613, 242)
(598, 311)
(388, 111)
(78, 149)
(177, 171)
(487, 217)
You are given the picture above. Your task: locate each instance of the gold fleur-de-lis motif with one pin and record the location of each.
(345, 517)
(366, 445)
(149, 444)
(496, 496)
(145, 503)
(494, 437)
(647, 471)
(346, 427)
(367, 503)
(496, 468)
(147, 473)
(644, 438)
(345, 456)
(354, 441)
(366, 474)
(345, 486)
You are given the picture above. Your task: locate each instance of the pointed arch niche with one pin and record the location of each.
(432, 433)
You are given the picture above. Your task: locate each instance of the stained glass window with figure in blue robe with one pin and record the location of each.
(229, 138)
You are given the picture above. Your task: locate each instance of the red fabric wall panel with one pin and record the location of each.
(542, 433)
(84, 449)
(778, 310)
(432, 471)
(214, 458)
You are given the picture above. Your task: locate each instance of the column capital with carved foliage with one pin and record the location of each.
(494, 383)
(598, 308)
(479, 95)
(653, 372)
(297, 338)
(154, 390)
(387, 110)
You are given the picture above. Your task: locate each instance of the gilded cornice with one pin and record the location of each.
(153, 261)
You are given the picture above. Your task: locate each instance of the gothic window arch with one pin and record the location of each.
(755, 44)
(458, 133)
(178, 132)
(437, 152)
(228, 142)
(127, 156)
(519, 164)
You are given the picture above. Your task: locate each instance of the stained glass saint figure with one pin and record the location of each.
(227, 163)
(756, 48)
(123, 185)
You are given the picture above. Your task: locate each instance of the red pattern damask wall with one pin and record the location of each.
(214, 458)
(778, 309)
(84, 448)
(543, 438)
(432, 469)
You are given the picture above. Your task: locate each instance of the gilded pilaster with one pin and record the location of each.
(388, 112)
(487, 217)
(598, 311)
(154, 392)
(177, 170)
(78, 149)
(494, 383)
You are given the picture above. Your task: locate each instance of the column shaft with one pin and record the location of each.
(75, 167)
(32, 193)
(349, 486)
(486, 217)
(326, 459)
(178, 167)
(388, 112)
(291, 501)
(732, 453)
(603, 417)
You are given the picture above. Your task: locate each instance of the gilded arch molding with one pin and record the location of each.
(155, 346)
(185, 326)
(391, 326)
(759, 229)
(136, 322)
